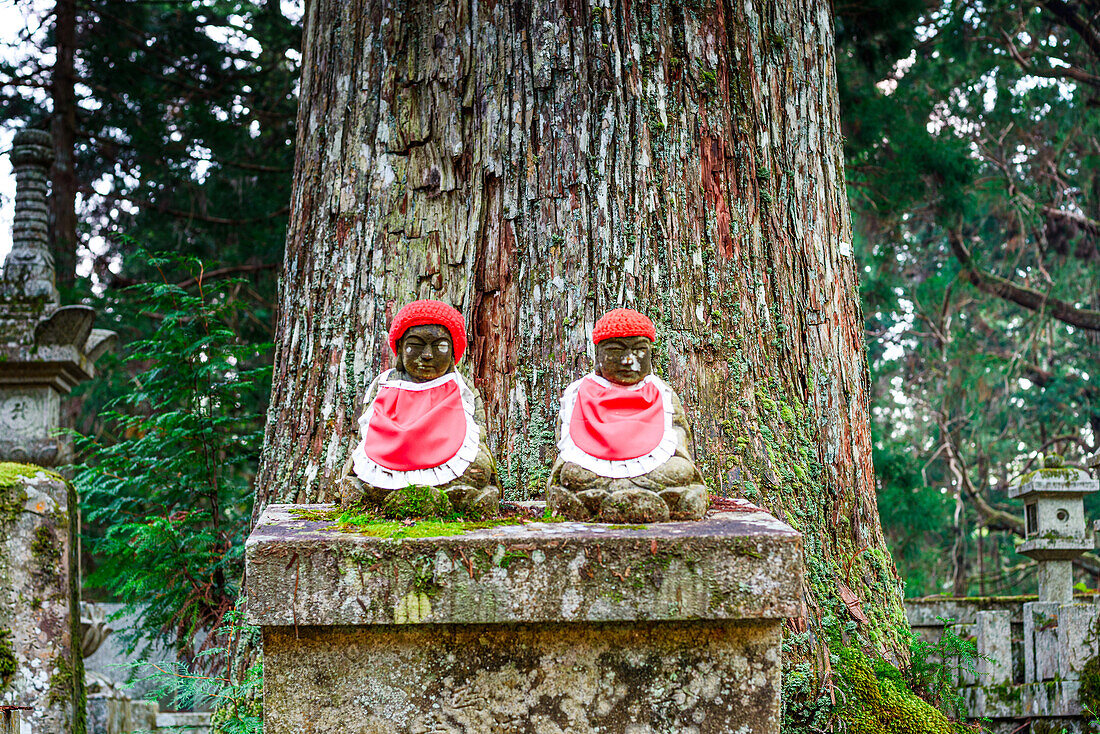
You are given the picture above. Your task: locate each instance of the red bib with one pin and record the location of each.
(614, 423)
(412, 427)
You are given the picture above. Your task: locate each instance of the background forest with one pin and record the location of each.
(972, 145)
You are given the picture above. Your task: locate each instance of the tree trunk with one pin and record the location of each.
(63, 187)
(538, 163)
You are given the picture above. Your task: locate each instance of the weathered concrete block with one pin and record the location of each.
(1076, 638)
(556, 627)
(1040, 641)
(993, 638)
(1049, 701)
(1059, 640)
(39, 666)
(121, 716)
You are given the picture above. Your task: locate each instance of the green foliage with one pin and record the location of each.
(236, 697)
(915, 518)
(871, 696)
(934, 668)
(185, 127)
(167, 480)
(971, 151)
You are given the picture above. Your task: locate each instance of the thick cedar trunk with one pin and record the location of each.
(63, 187)
(537, 163)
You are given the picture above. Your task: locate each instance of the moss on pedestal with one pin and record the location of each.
(8, 663)
(61, 682)
(416, 501)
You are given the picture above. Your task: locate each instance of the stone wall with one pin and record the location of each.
(1031, 657)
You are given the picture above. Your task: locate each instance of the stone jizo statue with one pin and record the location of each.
(423, 428)
(623, 436)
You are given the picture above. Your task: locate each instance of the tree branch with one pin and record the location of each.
(1089, 225)
(1029, 298)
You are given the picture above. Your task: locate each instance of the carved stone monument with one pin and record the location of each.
(41, 666)
(423, 448)
(45, 349)
(623, 436)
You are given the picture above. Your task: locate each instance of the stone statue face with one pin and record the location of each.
(426, 352)
(624, 360)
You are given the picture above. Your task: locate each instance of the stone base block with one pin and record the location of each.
(657, 678)
(538, 628)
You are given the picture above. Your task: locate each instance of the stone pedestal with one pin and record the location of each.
(40, 667)
(555, 627)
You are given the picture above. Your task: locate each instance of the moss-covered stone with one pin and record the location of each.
(61, 682)
(44, 545)
(1089, 692)
(416, 501)
(11, 472)
(8, 664)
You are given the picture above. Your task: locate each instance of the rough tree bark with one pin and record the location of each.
(536, 163)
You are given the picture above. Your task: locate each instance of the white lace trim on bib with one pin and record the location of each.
(617, 469)
(379, 476)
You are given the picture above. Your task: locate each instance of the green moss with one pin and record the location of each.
(61, 682)
(416, 501)
(8, 664)
(44, 545)
(1068, 475)
(877, 701)
(327, 515)
(1089, 693)
(1005, 693)
(11, 473)
(367, 523)
(80, 695)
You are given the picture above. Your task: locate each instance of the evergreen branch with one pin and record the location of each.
(227, 271)
(1029, 298)
(193, 216)
(1069, 17)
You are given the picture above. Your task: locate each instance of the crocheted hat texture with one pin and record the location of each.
(623, 322)
(421, 313)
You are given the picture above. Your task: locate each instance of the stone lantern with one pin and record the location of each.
(1054, 522)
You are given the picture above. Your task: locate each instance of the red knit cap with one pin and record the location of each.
(623, 322)
(422, 313)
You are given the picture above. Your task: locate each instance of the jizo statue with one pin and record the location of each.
(423, 427)
(623, 436)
